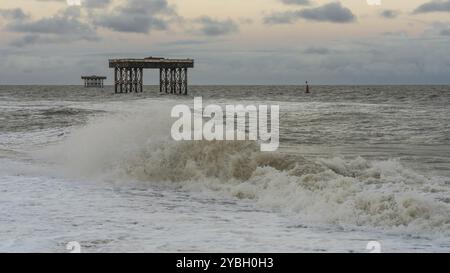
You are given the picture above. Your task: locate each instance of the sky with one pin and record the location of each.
(232, 41)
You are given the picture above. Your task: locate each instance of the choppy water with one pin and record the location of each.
(356, 164)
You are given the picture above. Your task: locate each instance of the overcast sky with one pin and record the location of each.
(232, 41)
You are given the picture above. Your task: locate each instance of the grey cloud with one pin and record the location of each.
(317, 51)
(136, 24)
(390, 60)
(184, 43)
(401, 34)
(296, 2)
(29, 40)
(138, 16)
(213, 27)
(288, 17)
(332, 12)
(96, 3)
(33, 39)
(445, 32)
(389, 14)
(434, 6)
(437, 29)
(245, 21)
(53, 25)
(72, 12)
(26, 40)
(86, 3)
(14, 14)
(57, 29)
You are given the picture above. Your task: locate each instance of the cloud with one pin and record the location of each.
(85, 3)
(245, 21)
(28, 40)
(96, 3)
(133, 24)
(71, 12)
(287, 17)
(60, 28)
(434, 6)
(395, 34)
(13, 14)
(213, 27)
(296, 2)
(436, 29)
(317, 51)
(332, 12)
(137, 16)
(389, 14)
(184, 43)
(52, 0)
(52, 25)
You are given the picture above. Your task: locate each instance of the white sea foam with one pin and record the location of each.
(337, 191)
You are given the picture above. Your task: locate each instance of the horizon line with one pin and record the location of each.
(237, 84)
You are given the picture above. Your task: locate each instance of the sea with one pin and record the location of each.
(356, 164)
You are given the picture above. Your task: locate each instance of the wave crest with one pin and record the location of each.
(332, 191)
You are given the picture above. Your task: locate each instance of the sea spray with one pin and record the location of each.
(337, 191)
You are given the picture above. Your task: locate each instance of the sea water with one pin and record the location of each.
(355, 164)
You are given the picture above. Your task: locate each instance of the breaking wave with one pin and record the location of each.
(337, 191)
